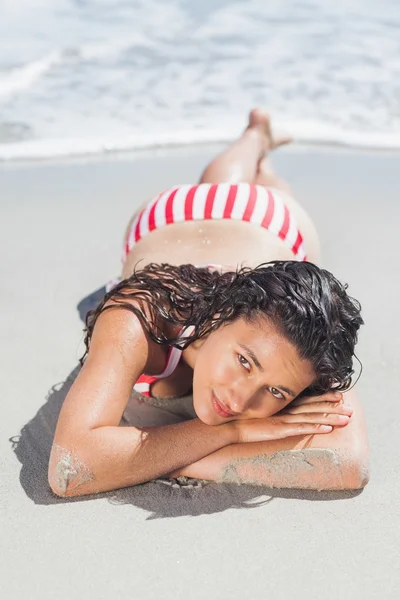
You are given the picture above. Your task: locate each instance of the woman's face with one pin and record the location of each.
(246, 371)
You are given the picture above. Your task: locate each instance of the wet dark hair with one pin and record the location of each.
(308, 305)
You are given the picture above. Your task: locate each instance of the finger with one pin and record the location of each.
(302, 429)
(336, 420)
(324, 407)
(329, 396)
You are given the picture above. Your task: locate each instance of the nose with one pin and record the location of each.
(238, 400)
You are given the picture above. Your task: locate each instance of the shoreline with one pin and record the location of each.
(172, 150)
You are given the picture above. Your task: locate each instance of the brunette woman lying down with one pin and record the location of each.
(224, 346)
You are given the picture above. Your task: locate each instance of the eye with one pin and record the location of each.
(243, 361)
(276, 393)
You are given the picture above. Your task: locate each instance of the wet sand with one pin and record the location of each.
(61, 228)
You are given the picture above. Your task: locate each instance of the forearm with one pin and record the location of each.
(282, 463)
(108, 458)
(337, 461)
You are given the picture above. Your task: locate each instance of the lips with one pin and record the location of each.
(220, 408)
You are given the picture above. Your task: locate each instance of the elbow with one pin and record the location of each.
(353, 449)
(353, 457)
(355, 468)
(68, 476)
(344, 468)
(56, 485)
(58, 481)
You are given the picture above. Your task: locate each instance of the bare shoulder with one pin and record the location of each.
(118, 354)
(118, 335)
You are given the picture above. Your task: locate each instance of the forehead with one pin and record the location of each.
(272, 349)
(261, 331)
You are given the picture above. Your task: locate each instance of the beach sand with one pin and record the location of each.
(61, 228)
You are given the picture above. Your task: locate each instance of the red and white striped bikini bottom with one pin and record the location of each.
(255, 204)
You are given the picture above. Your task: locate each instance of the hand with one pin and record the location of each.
(305, 416)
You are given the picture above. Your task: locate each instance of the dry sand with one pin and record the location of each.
(61, 228)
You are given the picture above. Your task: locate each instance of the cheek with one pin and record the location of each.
(267, 406)
(213, 368)
(222, 371)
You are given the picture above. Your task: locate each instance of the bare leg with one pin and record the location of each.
(266, 176)
(247, 160)
(241, 160)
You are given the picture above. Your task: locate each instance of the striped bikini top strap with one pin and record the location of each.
(174, 355)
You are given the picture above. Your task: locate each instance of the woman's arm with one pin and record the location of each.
(91, 452)
(335, 461)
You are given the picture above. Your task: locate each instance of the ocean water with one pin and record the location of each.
(91, 76)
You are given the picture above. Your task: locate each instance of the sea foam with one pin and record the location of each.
(304, 133)
(109, 76)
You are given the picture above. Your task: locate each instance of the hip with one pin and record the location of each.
(249, 223)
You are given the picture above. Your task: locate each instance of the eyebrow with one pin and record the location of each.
(259, 366)
(287, 390)
(252, 356)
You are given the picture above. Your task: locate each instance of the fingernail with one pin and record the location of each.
(325, 428)
(343, 418)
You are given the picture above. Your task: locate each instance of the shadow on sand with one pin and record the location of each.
(32, 448)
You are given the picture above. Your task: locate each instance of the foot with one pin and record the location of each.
(260, 121)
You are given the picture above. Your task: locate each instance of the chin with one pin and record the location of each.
(205, 416)
(208, 421)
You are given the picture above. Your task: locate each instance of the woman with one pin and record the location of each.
(238, 367)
